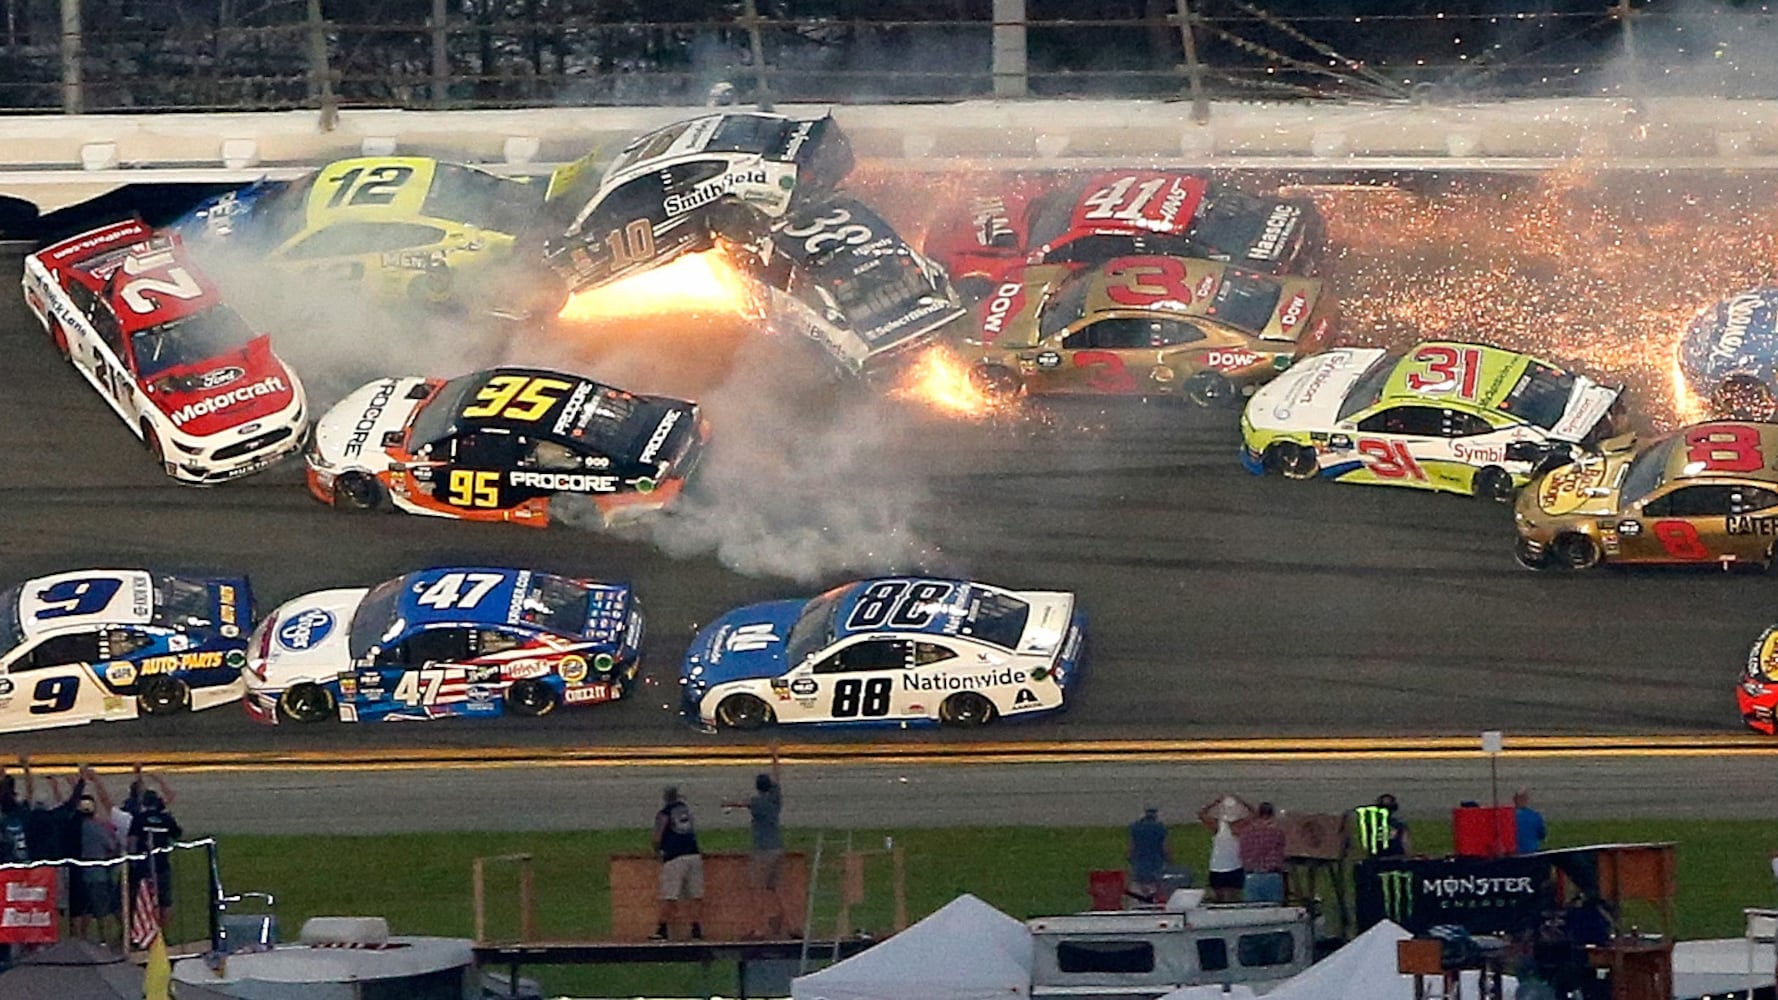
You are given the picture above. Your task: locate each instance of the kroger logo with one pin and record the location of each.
(306, 630)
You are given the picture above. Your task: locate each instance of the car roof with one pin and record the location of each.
(722, 135)
(565, 406)
(134, 280)
(1498, 375)
(130, 603)
(946, 619)
(405, 199)
(1062, 216)
(1723, 439)
(502, 604)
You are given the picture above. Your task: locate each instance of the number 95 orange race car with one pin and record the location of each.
(1704, 494)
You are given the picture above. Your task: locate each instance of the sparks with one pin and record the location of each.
(939, 379)
(699, 283)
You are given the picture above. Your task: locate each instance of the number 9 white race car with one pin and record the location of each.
(896, 650)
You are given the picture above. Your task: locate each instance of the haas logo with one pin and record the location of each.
(1293, 312)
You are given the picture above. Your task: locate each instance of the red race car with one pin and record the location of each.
(1121, 213)
(141, 323)
(1758, 691)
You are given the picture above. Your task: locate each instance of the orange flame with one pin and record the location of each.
(697, 283)
(938, 378)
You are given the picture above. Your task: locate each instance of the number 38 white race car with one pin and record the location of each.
(141, 323)
(896, 650)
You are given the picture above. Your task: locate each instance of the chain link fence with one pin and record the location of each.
(167, 55)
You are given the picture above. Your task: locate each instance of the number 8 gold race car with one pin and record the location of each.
(1447, 416)
(502, 445)
(1704, 494)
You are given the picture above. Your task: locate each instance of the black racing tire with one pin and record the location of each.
(162, 695)
(966, 709)
(432, 288)
(1291, 460)
(744, 712)
(152, 442)
(1493, 483)
(997, 382)
(307, 703)
(357, 491)
(531, 698)
(59, 337)
(1211, 390)
(972, 288)
(1541, 561)
(1574, 551)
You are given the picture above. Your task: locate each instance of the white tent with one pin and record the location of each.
(966, 951)
(1365, 969)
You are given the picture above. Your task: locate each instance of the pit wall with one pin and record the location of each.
(55, 160)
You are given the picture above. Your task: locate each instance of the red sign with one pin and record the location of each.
(28, 905)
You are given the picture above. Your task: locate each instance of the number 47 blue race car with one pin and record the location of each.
(895, 650)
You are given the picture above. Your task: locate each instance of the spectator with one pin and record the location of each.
(1381, 831)
(1528, 822)
(682, 867)
(98, 895)
(14, 811)
(153, 833)
(1148, 855)
(1226, 877)
(1262, 855)
(766, 864)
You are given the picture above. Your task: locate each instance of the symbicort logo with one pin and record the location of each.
(305, 629)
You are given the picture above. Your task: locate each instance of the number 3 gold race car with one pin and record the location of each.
(1704, 494)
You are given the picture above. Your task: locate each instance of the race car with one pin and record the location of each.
(1153, 326)
(1122, 213)
(505, 444)
(470, 642)
(397, 228)
(1704, 494)
(903, 650)
(113, 644)
(186, 373)
(1757, 693)
(1729, 355)
(839, 274)
(1464, 418)
(678, 189)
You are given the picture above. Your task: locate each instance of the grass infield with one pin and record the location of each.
(420, 882)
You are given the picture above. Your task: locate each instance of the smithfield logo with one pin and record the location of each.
(306, 629)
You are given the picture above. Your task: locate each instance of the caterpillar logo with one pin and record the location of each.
(1397, 889)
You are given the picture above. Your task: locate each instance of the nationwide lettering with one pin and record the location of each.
(223, 400)
(961, 682)
(1749, 524)
(564, 482)
(367, 421)
(659, 437)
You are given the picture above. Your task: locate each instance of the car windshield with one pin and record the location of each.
(1541, 395)
(1246, 301)
(749, 134)
(1369, 387)
(474, 196)
(648, 147)
(187, 341)
(10, 632)
(814, 626)
(437, 420)
(1647, 471)
(995, 618)
(1228, 221)
(375, 622)
(555, 604)
(182, 602)
(1053, 216)
(1065, 305)
(884, 293)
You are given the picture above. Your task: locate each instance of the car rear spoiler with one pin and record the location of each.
(573, 183)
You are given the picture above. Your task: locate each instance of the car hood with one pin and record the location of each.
(1586, 487)
(304, 639)
(352, 432)
(229, 215)
(1309, 394)
(747, 643)
(1587, 405)
(1007, 315)
(226, 391)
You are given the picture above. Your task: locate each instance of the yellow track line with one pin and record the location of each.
(919, 754)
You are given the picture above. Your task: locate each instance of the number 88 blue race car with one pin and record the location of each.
(111, 644)
(894, 650)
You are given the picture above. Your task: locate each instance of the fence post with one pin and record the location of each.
(441, 57)
(73, 99)
(762, 78)
(1011, 68)
(320, 77)
(1194, 70)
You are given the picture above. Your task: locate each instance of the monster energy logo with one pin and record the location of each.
(1397, 888)
(1373, 828)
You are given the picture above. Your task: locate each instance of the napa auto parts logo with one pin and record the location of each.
(270, 385)
(305, 629)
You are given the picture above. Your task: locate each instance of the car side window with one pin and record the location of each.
(1747, 499)
(105, 324)
(434, 645)
(485, 449)
(122, 642)
(641, 198)
(1120, 333)
(1692, 501)
(493, 640)
(928, 653)
(352, 238)
(1414, 421)
(550, 456)
(61, 650)
(682, 177)
(1461, 424)
(874, 654)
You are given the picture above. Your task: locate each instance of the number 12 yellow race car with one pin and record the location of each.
(1446, 416)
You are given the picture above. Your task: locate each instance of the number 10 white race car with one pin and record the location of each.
(141, 323)
(898, 650)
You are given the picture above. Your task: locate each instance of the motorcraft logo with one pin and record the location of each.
(709, 191)
(1279, 225)
(1737, 317)
(306, 629)
(367, 421)
(1397, 888)
(961, 682)
(564, 482)
(270, 385)
(659, 437)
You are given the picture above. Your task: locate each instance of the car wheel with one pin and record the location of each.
(431, 288)
(1211, 390)
(162, 696)
(1493, 483)
(1539, 561)
(357, 491)
(995, 381)
(530, 698)
(735, 222)
(1574, 551)
(59, 337)
(966, 708)
(307, 703)
(1291, 460)
(152, 442)
(972, 288)
(744, 711)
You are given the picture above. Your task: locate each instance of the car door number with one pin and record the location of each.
(1680, 539)
(420, 687)
(856, 698)
(1390, 459)
(55, 694)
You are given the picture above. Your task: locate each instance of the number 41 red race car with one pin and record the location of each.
(141, 323)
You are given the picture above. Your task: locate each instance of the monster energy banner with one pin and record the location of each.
(1498, 896)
